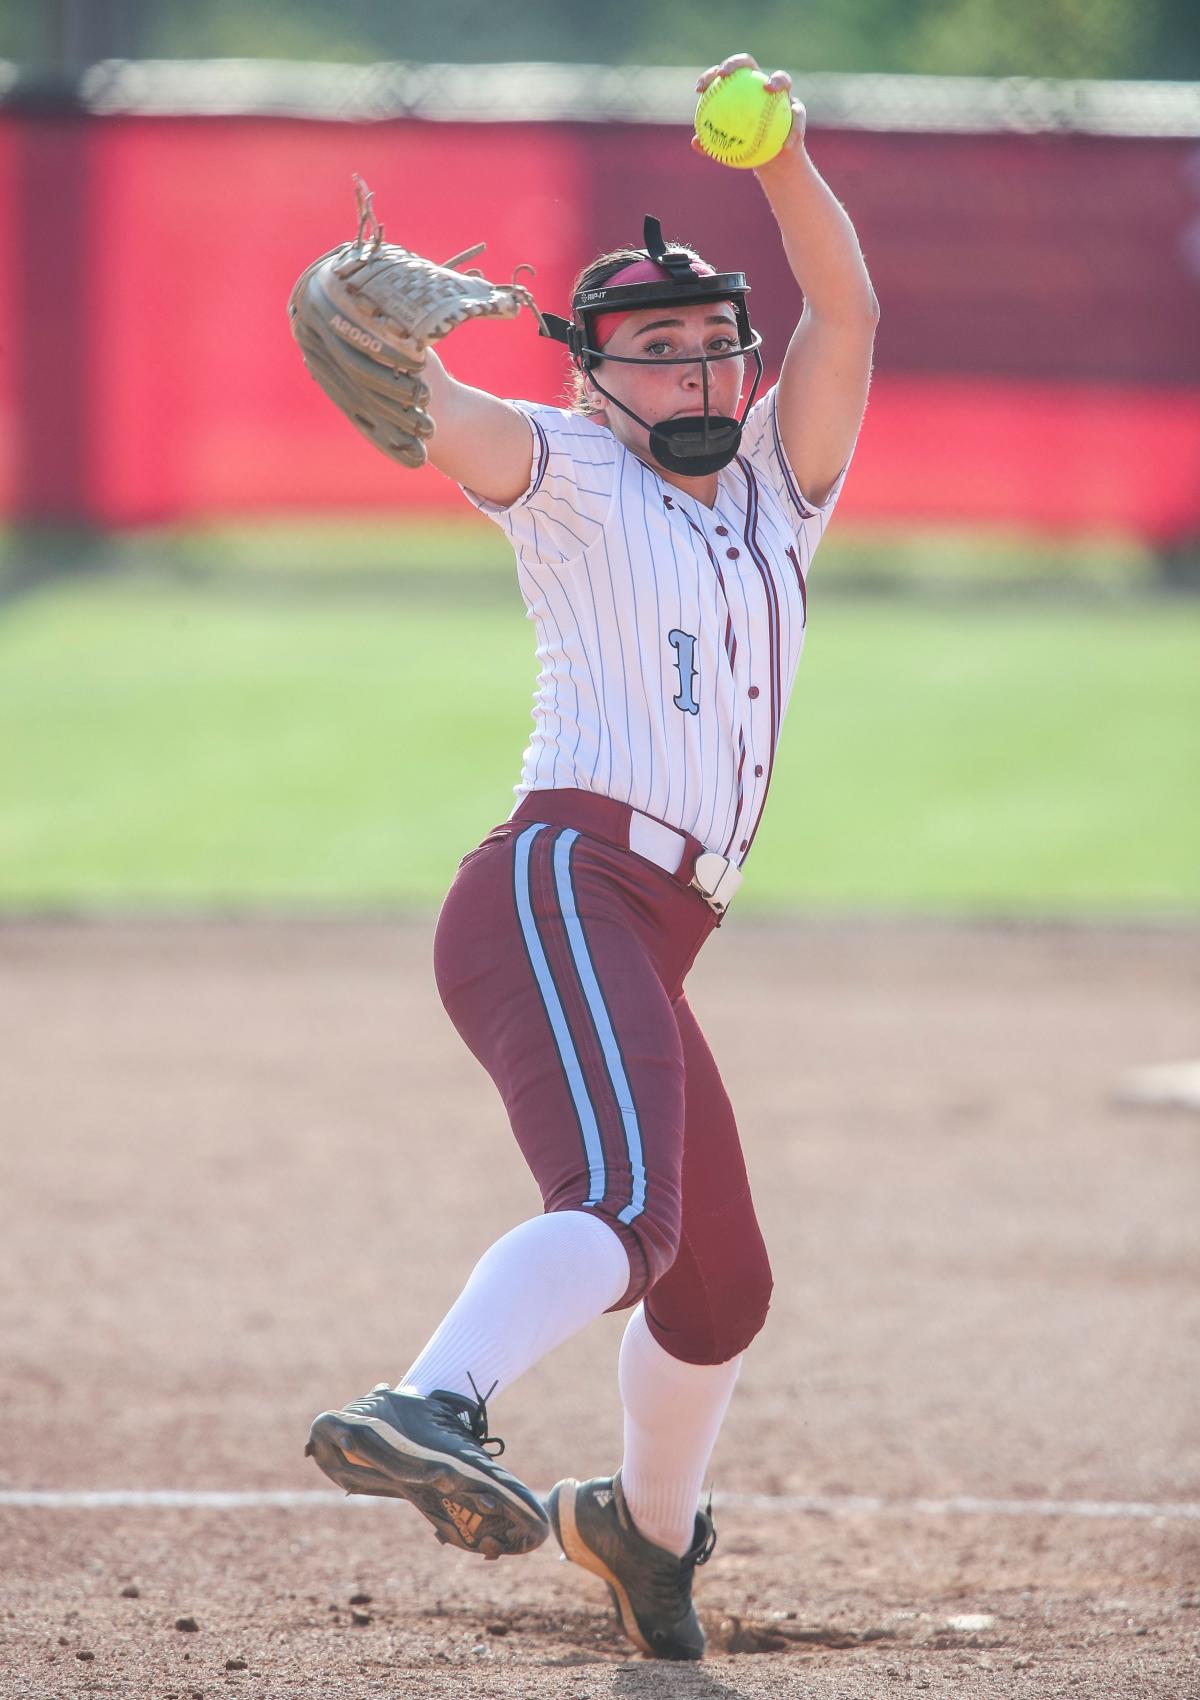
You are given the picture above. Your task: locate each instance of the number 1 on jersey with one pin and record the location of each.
(684, 645)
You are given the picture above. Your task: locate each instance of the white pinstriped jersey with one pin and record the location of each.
(668, 633)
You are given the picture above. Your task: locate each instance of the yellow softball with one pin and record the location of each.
(739, 122)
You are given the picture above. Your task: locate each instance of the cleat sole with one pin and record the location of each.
(463, 1513)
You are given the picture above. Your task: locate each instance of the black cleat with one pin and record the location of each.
(650, 1588)
(431, 1452)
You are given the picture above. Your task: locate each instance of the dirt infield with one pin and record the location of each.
(246, 1166)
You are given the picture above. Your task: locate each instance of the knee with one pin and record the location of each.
(751, 1300)
(710, 1316)
(737, 1312)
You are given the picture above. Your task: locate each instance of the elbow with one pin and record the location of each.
(868, 321)
(861, 299)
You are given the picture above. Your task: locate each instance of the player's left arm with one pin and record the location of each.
(826, 371)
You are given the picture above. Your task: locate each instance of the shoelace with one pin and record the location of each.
(463, 1413)
(453, 1411)
(671, 1589)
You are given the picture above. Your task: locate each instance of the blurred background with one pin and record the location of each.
(245, 661)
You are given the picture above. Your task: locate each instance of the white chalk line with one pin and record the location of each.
(829, 1505)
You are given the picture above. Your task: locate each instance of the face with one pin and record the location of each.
(665, 392)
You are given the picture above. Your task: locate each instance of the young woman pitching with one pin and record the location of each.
(663, 524)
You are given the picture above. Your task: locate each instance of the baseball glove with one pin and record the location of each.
(364, 315)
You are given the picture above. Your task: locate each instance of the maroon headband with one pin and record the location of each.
(638, 271)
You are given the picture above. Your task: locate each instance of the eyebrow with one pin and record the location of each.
(673, 324)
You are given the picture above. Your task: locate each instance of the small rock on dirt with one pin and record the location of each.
(131, 1591)
(187, 1624)
(235, 1664)
(85, 1655)
(360, 1618)
(360, 1599)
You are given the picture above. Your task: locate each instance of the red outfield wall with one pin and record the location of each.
(1038, 362)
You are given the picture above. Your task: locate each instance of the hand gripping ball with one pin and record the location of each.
(739, 123)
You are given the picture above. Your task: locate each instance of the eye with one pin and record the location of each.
(658, 348)
(723, 344)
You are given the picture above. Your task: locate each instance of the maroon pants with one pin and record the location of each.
(560, 958)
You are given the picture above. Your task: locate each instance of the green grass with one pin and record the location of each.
(164, 743)
(354, 550)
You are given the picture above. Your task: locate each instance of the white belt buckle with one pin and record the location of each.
(716, 879)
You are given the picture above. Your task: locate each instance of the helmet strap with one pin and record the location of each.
(693, 447)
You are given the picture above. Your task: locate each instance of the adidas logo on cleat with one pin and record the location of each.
(466, 1522)
(603, 1496)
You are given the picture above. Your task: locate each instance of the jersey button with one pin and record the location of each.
(744, 845)
(752, 692)
(758, 771)
(732, 554)
(722, 531)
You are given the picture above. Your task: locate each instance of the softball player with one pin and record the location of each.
(663, 528)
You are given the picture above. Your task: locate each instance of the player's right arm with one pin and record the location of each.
(478, 440)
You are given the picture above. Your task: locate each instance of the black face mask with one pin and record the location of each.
(694, 446)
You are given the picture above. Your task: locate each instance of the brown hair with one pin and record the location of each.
(594, 276)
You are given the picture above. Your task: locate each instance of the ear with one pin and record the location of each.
(597, 403)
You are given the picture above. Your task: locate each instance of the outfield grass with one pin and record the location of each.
(171, 744)
(387, 549)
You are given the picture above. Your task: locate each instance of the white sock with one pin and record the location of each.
(528, 1293)
(673, 1413)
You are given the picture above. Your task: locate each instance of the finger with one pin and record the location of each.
(777, 82)
(735, 62)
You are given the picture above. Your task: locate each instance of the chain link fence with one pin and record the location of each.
(540, 91)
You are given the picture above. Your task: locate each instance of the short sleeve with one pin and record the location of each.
(570, 490)
(763, 448)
